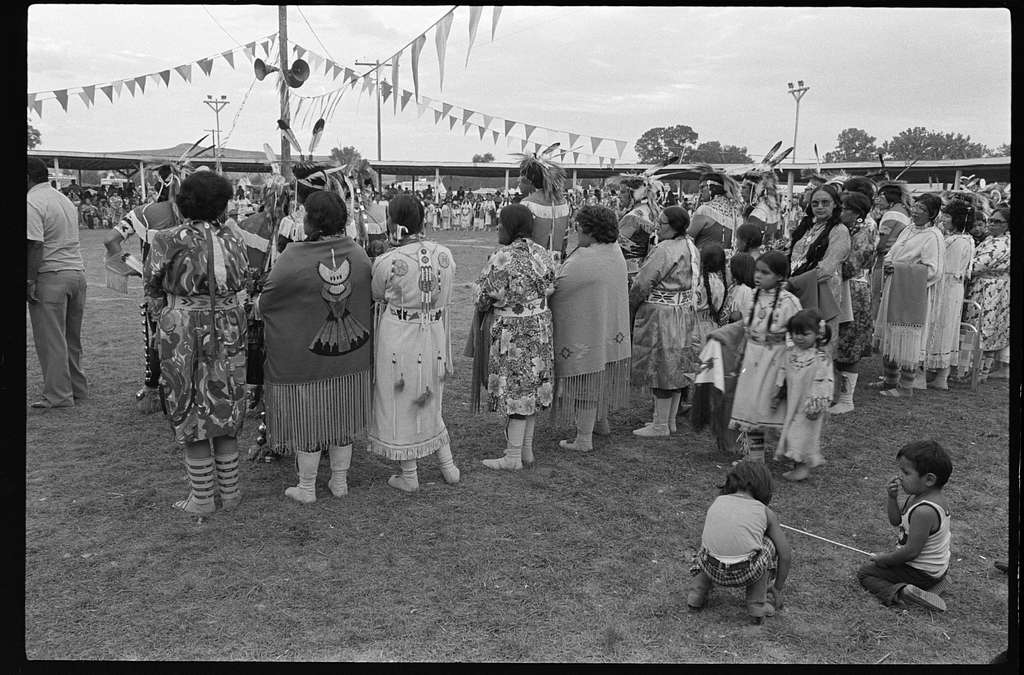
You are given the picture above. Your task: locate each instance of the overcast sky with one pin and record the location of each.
(612, 72)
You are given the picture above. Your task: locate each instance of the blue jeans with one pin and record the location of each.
(885, 583)
(57, 331)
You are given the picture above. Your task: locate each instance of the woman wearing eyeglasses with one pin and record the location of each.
(990, 288)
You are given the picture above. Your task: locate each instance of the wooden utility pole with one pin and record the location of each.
(282, 46)
(377, 65)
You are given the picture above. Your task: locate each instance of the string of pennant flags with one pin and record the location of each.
(309, 108)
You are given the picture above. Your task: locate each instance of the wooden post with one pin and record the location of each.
(506, 180)
(956, 179)
(142, 179)
(575, 181)
(282, 46)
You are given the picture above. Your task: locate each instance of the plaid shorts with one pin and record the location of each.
(741, 573)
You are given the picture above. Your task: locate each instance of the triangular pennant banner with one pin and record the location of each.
(250, 51)
(466, 114)
(417, 47)
(108, 89)
(451, 122)
(335, 71)
(32, 100)
(141, 81)
(594, 143)
(165, 75)
(299, 51)
(465, 127)
(185, 71)
(349, 75)
(508, 126)
(487, 120)
(155, 77)
(446, 108)
(536, 148)
(314, 59)
(437, 116)
(406, 95)
(420, 109)
(367, 83)
(600, 160)
(328, 67)
(474, 21)
(611, 162)
(426, 100)
(444, 26)
(496, 136)
(494, 20)
(38, 106)
(529, 130)
(620, 146)
(206, 65)
(482, 131)
(90, 93)
(84, 97)
(394, 75)
(266, 48)
(229, 56)
(572, 139)
(522, 145)
(131, 86)
(385, 91)
(118, 87)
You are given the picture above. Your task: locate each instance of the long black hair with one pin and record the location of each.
(819, 247)
(712, 260)
(778, 264)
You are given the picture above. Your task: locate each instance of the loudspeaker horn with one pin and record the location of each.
(297, 74)
(262, 69)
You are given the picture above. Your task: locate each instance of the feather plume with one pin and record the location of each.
(318, 132)
(552, 173)
(768, 156)
(287, 132)
(194, 146)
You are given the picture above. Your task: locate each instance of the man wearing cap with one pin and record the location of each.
(56, 289)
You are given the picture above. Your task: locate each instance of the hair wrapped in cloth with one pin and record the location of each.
(541, 170)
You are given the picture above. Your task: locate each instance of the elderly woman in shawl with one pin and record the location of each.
(665, 326)
(541, 182)
(590, 311)
(412, 286)
(990, 289)
(892, 208)
(192, 277)
(317, 318)
(909, 307)
(514, 287)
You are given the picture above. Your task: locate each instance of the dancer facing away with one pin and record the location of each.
(514, 286)
(916, 570)
(742, 544)
(412, 284)
(806, 373)
(762, 357)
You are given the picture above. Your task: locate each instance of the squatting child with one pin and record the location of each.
(742, 544)
(915, 571)
(806, 373)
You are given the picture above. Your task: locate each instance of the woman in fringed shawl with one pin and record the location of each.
(590, 312)
(821, 243)
(990, 288)
(944, 342)
(855, 321)
(513, 296)
(318, 320)
(665, 327)
(907, 313)
(412, 286)
(192, 277)
(542, 184)
(892, 204)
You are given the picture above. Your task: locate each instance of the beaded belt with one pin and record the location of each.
(994, 274)
(633, 265)
(531, 308)
(670, 297)
(406, 315)
(200, 302)
(769, 339)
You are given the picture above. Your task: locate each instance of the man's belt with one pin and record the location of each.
(531, 308)
(670, 298)
(406, 315)
(198, 303)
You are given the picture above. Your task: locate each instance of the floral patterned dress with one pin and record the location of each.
(855, 336)
(807, 374)
(515, 284)
(202, 342)
(990, 288)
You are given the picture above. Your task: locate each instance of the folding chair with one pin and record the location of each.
(970, 346)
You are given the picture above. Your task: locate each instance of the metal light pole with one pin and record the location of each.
(798, 93)
(216, 105)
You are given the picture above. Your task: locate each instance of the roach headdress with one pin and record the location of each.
(653, 189)
(541, 170)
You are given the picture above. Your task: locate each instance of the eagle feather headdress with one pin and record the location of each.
(542, 164)
(653, 188)
(179, 169)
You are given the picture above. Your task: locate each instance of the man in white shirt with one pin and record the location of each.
(56, 289)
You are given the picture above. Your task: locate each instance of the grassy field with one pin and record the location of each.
(583, 558)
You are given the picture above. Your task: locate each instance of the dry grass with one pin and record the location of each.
(582, 559)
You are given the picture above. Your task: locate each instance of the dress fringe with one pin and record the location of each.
(117, 282)
(608, 389)
(311, 415)
(407, 452)
(902, 344)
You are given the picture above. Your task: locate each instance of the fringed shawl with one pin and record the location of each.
(814, 293)
(906, 310)
(716, 382)
(316, 308)
(590, 316)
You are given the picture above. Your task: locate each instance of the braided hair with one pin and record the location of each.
(816, 251)
(712, 259)
(778, 263)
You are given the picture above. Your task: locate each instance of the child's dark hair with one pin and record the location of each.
(809, 320)
(777, 263)
(712, 261)
(928, 457)
(741, 267)
(752, 477)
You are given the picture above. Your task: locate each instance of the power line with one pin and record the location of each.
(327, 53)
(214, 19)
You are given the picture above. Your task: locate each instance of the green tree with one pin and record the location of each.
(922, 144)
(853, 145)
(1002, 151)
(346, 155)
(34, 137)
(483, 159)
(712, 152)
(660, 142)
